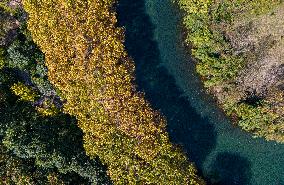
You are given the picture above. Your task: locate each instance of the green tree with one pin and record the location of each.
(54, 142)
(209, 24)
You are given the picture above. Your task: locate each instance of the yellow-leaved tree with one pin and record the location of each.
(87, 62)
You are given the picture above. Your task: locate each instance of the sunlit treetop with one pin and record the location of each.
(87, 62)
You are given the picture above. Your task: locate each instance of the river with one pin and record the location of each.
(223, 154)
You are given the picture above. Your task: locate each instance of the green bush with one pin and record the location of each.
(205, 21)
(52, 142)
(2, 58)
(25, 92)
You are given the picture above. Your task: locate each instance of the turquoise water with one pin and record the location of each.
(224, 154)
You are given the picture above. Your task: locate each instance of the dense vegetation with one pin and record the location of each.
(15, 170)
(87, 63)
(39, 144)
(224, 61)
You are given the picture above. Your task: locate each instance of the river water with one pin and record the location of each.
(223, 153)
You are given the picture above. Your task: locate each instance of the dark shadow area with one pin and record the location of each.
(186, 127)
(230, 169)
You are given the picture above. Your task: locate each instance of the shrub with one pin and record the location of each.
(24, 92)
(2, 58)
(48, 108)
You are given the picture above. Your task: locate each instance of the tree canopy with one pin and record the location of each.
(87, 62)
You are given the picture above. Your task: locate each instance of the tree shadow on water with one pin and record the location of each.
(230, 169)
(186, 127)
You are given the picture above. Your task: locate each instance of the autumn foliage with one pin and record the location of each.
(88, 63)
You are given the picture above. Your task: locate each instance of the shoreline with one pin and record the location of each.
(188, 47)
(195, 122)
(228, 96)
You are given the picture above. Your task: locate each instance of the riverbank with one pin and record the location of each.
(238, 58)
